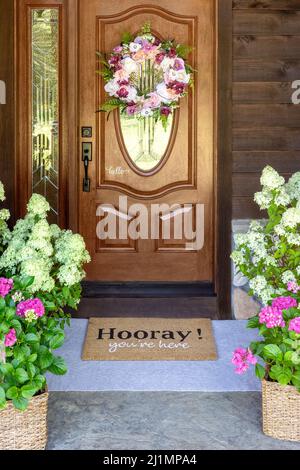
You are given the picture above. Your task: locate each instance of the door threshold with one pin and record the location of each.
(176, 307)
(100, 289)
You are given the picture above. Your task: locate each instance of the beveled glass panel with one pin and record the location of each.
(145, 139)
(45, 105)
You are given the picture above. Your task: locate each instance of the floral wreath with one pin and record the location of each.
(146, 76)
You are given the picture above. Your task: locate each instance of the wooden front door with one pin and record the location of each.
(184, 171)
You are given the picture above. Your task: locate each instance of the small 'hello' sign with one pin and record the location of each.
(138, 339)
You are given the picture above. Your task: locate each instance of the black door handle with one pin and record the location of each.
(86, 180)
(86, 158)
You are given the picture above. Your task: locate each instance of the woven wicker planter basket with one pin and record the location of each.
(281, 411)
(25, 430)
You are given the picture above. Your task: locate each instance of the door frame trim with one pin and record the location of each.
(223, 135)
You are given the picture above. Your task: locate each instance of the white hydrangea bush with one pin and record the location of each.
(36, 249)
(269, 253)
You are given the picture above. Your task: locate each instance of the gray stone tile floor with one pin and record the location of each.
(158, 421)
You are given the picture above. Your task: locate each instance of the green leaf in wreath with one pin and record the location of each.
(183, 51)
(126, 38)
(110, 105)
(2, 303)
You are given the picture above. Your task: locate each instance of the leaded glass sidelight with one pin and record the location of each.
(45, 105)
(145, 139)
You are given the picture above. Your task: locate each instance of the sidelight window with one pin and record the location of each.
(45, 105)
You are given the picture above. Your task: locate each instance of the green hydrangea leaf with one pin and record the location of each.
(21, 375)
(57, 341)
(20, 403)
(58, 367)
(12, 393)
(28, 391)
(31, 338)
(260, 371)
(272, 351)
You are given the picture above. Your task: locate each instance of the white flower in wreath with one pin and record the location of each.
(111, 87)
(132, 94)
(146, 112)
(165, 93)
(177, 75)
(167, 63)
(129, 65)
(134, 47)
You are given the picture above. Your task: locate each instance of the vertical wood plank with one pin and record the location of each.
(7, 113)
(224, 148)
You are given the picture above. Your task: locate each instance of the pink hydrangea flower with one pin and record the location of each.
(31, 307)
(6, 286)
(293, 287)
(295, 325)
(10, 338)
(242, 358)
(284, 303)
(271, 317)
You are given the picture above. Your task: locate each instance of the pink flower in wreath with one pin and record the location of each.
(118, 49)
(172, 52)
(153, 100)
(271, 317)
(179, 64)
(121, 76)
(159, 57)
(6, 286)
(114, 59)
(122, 92)
(165, 110)
(295, 325)
(10, 338)
(242, 358)
(131, 109)
(284, 303)
(31, 309)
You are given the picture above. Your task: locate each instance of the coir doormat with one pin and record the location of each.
(149, 339)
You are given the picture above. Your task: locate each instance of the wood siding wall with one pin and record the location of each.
(266, 125)
(7, 166)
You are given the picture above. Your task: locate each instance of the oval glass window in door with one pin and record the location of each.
(145, 139)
